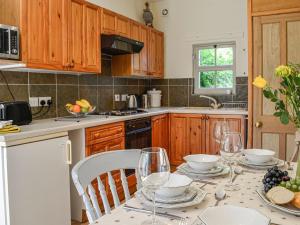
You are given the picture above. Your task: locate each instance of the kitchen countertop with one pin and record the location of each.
(50, 126)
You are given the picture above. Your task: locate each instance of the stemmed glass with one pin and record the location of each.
(154, 170)
(230, 150)
(220, 128)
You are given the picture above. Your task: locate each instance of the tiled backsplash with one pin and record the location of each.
(100, 89)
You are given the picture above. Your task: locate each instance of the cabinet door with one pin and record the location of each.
(144, 37)
(160, 131)
(159, 54)
(135, 35)
(76, 34)
(34, 36)
(152, 52)
(236, 124)
(179, 138)
(196, 134)
(123, 26)
(92, 39)
(57, 33)
(109, 22)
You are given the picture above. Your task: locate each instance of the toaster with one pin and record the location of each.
(19, 112)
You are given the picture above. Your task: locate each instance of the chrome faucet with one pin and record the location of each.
(215, 104)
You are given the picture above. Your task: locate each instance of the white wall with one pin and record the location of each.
(129, 8)
(200, 21)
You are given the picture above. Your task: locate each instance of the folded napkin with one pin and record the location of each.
(10, 129)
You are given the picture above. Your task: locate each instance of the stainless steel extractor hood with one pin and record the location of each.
(118, 45)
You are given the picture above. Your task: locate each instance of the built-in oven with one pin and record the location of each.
(9, 42)
(138, 135)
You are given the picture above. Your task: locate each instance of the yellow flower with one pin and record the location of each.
(283, 71)
(259, 82)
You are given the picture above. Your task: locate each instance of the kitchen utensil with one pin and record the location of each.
(145, 101)
(202, 162)
(167, 215)
(155, 98)
(132, 102)
(219, 195)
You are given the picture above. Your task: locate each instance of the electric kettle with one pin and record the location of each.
(132, 102)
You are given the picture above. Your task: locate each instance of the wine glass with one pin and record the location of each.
(220, 129)
(230, 150)
(154, 170)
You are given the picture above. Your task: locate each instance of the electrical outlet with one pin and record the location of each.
(117, 97)
(46, 99)
(124, 97)
(33, 101)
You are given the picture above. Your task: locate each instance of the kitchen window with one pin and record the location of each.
(214, 68)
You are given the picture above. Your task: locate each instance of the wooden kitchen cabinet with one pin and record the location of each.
(160, 131)
(123, 26)
(109, 22)
(193, 134)
(156, 53)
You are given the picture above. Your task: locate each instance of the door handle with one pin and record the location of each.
(258, 124)
(69, 152)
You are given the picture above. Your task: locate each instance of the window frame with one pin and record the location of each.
(197, 69)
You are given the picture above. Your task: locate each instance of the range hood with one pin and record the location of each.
(118, 45)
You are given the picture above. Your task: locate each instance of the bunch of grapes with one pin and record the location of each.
(274, 177)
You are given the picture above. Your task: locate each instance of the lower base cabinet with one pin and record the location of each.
(160, 131)
(108, 138)
(193, 134)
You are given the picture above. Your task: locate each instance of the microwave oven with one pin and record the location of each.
(9, 42)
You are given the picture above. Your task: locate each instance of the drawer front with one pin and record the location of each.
(104, 133)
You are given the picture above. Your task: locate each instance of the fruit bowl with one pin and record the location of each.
(80, 109)
(81, 114)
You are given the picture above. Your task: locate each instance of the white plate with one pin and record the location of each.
(195, 201)
(202, 162)
(233, 215)
(189, 169)
(182, 169)
(187, 196)
(272, 162)
(287, 208)
(242, 162)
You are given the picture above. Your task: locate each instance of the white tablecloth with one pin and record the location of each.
(245, 197)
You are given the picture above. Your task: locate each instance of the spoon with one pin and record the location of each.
(219, 195)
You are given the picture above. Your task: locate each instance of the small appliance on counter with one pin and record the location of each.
(145, 101)
(9, 42)
(132, 102)
(19, 112)
(155, 98)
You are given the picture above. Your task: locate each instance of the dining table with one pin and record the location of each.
(249, 181)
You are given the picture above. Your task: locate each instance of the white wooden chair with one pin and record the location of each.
(91, 168)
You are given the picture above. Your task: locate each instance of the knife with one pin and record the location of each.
(167, 215)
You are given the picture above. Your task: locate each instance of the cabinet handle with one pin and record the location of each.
(258, 124)
(69, 152)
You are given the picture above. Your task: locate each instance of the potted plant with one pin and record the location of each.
(286, 98)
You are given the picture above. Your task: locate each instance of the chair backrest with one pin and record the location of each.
(92, 167)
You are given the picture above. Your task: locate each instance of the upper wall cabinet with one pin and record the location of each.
(58, 34)
(123, 26)
(109, 22)
(156, 53)
(260, 7)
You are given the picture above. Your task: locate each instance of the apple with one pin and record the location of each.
(76, 109)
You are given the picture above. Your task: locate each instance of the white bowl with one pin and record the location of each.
(175, 186)
(233, 215)
(202, 162)
(258, 155)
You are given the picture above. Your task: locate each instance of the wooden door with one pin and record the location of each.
(159, 54)
(144, 37)
(179, 138)
(135, 35)
(109, 22)
(122, 26)
(76, 34)
(57, 33)
(92, 61)
(236, 124)
(276, 42)
(34, 36)
(152, 52)
(196, 134)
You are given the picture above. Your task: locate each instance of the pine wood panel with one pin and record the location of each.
(122, 26)
(293, 44)
(92, 60)
(144, 37)
(109, 22)
(156, 53)
(259, 6)
(135, 35)
(160, 132)
(197, 135)
(10, 12)
(152, 69)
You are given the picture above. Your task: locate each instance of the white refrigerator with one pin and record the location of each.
(35, 181)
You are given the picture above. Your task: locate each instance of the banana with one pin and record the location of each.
(82, 104)
(86, 102)
(68, 105)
